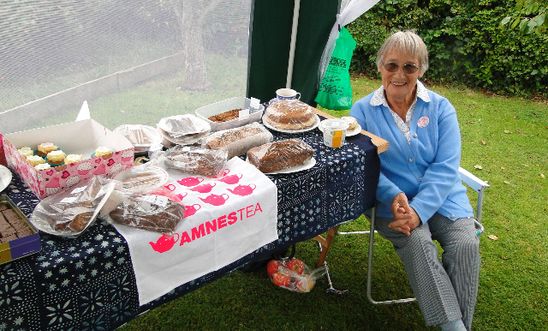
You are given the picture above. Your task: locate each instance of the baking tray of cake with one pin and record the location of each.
(229, 109)
(17, 237)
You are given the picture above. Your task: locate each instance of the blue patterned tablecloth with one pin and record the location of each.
(88, 282)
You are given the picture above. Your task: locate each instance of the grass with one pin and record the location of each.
(504, 142)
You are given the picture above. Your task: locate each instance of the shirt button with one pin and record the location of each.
(414, 135)
(411, 160)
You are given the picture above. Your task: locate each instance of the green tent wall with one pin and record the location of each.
(270, 41)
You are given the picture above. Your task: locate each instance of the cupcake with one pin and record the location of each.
(103, 152)
(35, 160)
(42, 166)
(73, 158)
(26, 151)
(56, 157)
(45, 148)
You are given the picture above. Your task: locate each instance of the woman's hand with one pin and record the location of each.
(405, 218)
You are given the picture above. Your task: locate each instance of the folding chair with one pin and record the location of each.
(471, 181)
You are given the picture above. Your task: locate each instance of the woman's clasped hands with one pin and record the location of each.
(405, 218)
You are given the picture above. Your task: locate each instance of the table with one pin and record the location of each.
(88, 282)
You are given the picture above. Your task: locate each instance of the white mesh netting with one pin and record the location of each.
(133, 61)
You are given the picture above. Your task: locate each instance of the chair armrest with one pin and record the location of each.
(471, 180)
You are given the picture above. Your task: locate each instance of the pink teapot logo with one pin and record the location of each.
(164, 243)
(242, 189)
(170, 187)
(190, 181)
(204, 188)
(191, 209)
(232, 179)
(179, 197)
(215, 199)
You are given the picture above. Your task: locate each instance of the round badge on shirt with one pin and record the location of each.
(423, 122)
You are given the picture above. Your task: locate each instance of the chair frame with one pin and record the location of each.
(471, 181)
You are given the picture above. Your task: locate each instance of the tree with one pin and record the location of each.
(191, 16)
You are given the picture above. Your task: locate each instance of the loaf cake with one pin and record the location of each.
(238, 141)
(290, 115)
(196, 160)
(149, 212)
(280, 155)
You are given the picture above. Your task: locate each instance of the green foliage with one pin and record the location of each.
(529, 16)
(467, 44)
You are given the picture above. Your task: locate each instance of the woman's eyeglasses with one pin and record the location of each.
(408, 68)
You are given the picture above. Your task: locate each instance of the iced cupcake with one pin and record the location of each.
(45, 148)
(103, 152)
(73, 158)
(25, 151)
(42, 166)
(35, 160)
(56, 157)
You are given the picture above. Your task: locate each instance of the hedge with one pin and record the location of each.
(467, 44)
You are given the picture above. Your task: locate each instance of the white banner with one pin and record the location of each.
(226, 218)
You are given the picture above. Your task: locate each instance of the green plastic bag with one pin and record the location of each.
(335, 91)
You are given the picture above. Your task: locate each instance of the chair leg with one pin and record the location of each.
(370, 269)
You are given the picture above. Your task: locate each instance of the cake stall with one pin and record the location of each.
(150, 213)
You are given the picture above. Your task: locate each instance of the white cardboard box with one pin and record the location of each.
(80, 137)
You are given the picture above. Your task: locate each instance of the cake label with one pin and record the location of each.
(243, 114)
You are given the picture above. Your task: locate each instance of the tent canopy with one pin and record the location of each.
(138, 62)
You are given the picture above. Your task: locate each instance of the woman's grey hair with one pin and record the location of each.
(406, 42)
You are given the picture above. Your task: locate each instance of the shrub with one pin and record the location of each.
(467, 44)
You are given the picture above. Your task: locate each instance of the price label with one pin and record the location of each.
(243, 114)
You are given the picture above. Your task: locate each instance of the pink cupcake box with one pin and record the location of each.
(81, 137)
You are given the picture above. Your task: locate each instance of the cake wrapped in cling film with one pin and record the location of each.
(289, 115)
(237, 141)
(280, 155)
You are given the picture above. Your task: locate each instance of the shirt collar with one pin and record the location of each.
(379, 99)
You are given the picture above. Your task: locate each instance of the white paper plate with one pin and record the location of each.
(305, 166)
(158, 177)
(44, 226)
(133, 130)
(270, 126)
(5, 177)
(201, 126)
(350, 133)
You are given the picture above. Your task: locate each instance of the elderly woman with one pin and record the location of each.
(420, 197)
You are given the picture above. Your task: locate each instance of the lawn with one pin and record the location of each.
(505, 143)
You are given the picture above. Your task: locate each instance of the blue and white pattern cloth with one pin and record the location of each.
(88, 282)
